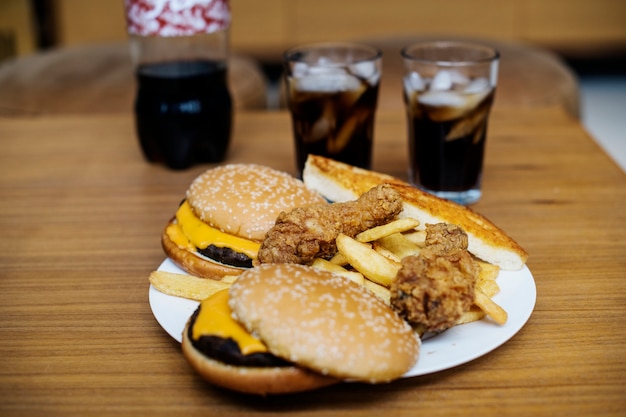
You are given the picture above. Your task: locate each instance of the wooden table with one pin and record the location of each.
(82, 213)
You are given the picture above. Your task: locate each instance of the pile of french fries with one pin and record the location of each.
(371, 259)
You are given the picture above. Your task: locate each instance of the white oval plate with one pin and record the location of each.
(451, 348)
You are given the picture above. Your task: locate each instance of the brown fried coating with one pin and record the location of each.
(447, 236)
(306, 233)
(433, 289)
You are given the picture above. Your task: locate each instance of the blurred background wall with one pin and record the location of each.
(574, 28)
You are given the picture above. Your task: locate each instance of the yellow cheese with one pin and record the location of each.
(201, 235)
(215, 319)
(176, 235)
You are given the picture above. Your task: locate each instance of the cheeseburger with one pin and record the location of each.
(311, 328)
(219, 227)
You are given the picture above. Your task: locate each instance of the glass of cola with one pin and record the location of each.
(449, 89)
(332, 91)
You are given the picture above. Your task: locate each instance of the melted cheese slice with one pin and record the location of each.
(189, 232)
(215, 319)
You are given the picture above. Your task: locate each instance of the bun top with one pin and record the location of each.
(245, 199)
(323, 322)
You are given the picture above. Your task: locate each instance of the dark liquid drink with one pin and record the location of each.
(183, 112)
(446, 142)
(335, 124)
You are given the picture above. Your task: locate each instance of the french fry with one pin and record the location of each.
(324, 265)
(395, 226)
(488, 271)
(416, 236)
(473, 314)
(486, 280)
(339, 259)
(488, 286)
(378, 247)
(486, 304)
(379, 291)
(229, 278)
(399, 245)
(367, 261)
(186, 286)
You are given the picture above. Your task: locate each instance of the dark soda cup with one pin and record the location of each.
(449, 90)
(183, 112)
(332, 92)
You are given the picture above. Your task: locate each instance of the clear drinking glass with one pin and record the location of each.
(449, 89)
(332, 92)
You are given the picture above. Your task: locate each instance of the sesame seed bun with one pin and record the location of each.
(245, 199)
(323, 322)
(242, 200)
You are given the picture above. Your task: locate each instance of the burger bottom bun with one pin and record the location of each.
(194, 264)
(252, 380)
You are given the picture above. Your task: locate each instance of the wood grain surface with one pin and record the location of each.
(82, 212)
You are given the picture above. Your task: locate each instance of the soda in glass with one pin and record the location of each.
(449, 89)
(332, 92)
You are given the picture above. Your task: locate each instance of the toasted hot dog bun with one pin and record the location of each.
(341, 182)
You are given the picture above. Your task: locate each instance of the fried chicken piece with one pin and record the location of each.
(306, 233)
(447, 236)
(433, 289)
